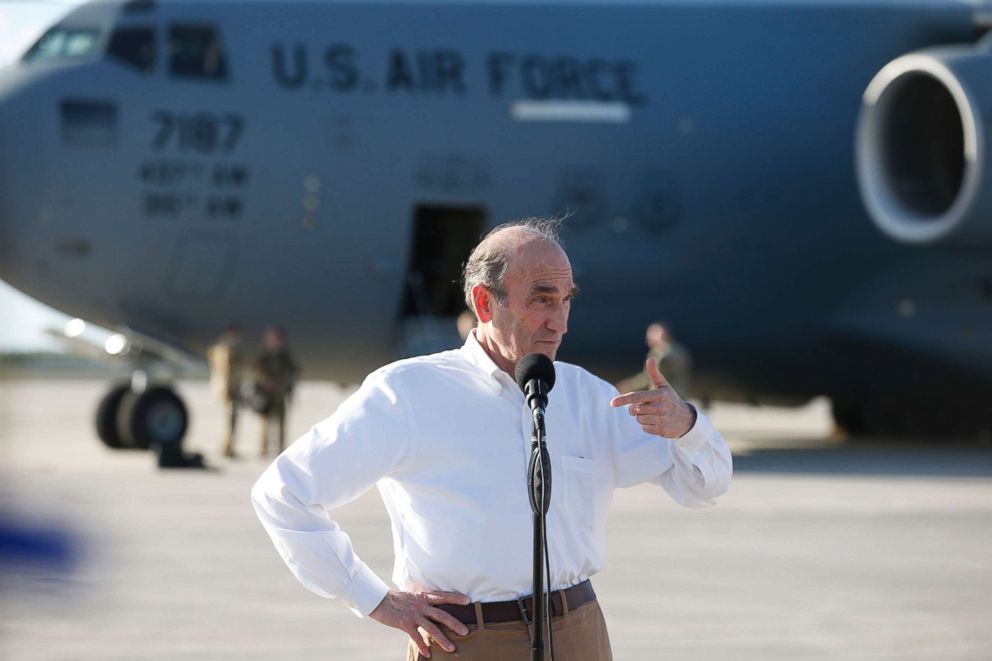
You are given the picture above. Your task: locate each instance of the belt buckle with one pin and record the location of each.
(523, 609)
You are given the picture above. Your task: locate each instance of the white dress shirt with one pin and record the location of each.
(446, 438)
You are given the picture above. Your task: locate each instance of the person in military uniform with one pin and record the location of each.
(276, 373)
(227, 363)
(672, 358)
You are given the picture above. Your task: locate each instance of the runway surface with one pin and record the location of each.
(821, 550)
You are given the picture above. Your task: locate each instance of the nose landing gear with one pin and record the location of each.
(132, 416)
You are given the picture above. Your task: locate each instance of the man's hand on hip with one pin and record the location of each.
(660, 411)
(408, 611)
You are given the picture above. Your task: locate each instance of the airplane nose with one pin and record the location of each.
(19, 156)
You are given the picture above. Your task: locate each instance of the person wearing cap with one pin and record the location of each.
(446, 439)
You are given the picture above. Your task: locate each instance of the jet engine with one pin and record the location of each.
(923, 146)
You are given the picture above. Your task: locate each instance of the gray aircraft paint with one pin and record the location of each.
(708, 161)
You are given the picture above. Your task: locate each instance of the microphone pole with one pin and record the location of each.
(539, 483)
(535, 375)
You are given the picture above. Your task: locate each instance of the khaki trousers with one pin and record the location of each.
(580, 635)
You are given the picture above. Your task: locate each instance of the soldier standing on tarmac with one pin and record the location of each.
(277, 374)
(227, 363)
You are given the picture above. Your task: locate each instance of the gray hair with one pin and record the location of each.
(490, 259)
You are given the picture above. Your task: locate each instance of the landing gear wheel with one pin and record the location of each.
(106, 417)
(154, 417)
(877, 417)
(906, 416)
(851, 417)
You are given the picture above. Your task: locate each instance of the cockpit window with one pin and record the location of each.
(195, 52)
(64, 43)
(79, 43)
(134, 46)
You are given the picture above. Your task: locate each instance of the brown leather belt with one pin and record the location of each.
(522, 609)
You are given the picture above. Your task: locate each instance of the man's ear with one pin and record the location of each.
(483, 303)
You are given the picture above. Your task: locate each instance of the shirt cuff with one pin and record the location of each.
(365, 592)
(698, 436)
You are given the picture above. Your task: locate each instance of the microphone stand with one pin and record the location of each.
(539, 484)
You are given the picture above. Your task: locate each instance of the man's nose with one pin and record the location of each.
(558, 321)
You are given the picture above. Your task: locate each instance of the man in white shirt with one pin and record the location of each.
(446, 438)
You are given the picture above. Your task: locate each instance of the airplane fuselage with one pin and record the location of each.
(704, 150)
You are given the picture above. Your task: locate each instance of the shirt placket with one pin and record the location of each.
(525, 426)
(513, 393)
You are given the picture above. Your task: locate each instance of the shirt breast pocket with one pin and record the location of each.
(585, 496)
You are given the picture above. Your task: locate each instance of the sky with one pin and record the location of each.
(22, 319)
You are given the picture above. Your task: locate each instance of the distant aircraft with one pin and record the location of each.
(801, 189)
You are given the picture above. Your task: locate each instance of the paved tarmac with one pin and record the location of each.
(822, 549)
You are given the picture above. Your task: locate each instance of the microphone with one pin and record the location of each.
(535, 374)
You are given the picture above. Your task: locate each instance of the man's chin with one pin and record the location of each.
(549, 349)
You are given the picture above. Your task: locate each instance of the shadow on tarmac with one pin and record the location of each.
(869, 457)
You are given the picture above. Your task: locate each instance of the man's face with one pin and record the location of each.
(657, 336)
(539, 291)
(272, 340)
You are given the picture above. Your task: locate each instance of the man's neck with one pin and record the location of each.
(487, 344)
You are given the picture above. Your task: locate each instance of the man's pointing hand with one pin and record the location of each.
(660, 411)
(412, 612)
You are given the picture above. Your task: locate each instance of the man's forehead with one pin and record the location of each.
(538, 263)
(544, 276)
(550, 280)
(557, 282)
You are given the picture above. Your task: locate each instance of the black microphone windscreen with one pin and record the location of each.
(535, 366)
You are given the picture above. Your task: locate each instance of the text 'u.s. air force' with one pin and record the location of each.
(339, 68)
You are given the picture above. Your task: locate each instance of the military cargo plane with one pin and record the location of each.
(801, 189)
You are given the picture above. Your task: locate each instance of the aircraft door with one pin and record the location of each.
(443, 237)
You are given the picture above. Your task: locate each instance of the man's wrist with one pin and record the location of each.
(693, 416)
(698, 434)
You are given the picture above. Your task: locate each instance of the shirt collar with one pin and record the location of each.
(475, 354)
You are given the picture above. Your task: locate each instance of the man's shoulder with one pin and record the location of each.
(415, 368)
(579, 377)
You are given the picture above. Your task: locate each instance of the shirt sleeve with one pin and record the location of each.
(694, 469)
(332, 464)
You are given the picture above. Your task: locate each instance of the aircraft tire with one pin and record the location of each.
(879, 417)
(908, 418)
(849, 416)
(156, 416)
(106, 416)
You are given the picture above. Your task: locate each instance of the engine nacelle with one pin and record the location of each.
(923, 147)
